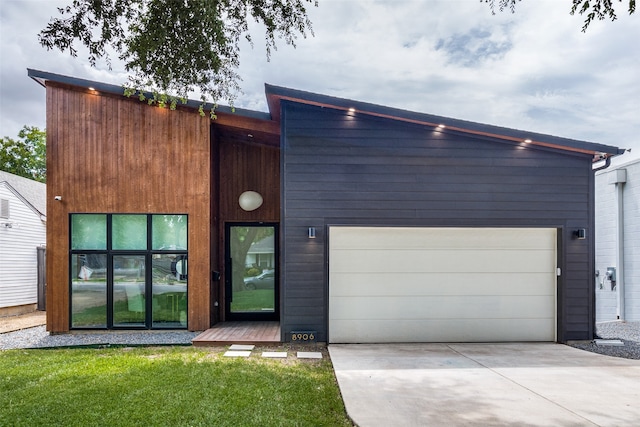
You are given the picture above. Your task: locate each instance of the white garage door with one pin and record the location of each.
(391, 284)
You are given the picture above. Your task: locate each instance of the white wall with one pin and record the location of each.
(606, 241)
(18, 254)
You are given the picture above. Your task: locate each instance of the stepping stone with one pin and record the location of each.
(617, 343)
(275, 354)
(242, 347)
(309, 355)
(235, 353)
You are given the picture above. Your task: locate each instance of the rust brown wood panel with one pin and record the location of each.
(245, 166)
(111, 154)
(249, 167)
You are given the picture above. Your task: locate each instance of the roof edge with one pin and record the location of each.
(276, 94)
(42, 77)
(23, 199)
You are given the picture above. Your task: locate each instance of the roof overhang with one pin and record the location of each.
(276, 94)
(266, 126)
(242, 121)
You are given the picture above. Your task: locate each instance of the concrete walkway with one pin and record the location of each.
(533, 384)
(23, 321)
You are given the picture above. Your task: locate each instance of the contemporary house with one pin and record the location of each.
(617, 206)
(23, 229)
(387, 225)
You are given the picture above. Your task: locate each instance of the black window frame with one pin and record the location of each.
(148, 253)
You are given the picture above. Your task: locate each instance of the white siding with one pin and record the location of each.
(18, 253)
(632, 242)
(605, 233)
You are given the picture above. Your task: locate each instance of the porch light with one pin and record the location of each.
(312, 232)
(250, 201)
(580, 234)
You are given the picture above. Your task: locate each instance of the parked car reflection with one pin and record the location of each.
(265, 280)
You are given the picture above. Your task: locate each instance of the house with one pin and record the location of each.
(388, 225)
(617, 207)
(23, 216)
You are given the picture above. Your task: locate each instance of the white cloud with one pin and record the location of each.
(530, 70)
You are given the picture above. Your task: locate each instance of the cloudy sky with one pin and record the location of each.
(533, 70)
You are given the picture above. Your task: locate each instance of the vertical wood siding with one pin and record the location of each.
(109, 154)
(18, 255)
(244, 166)
(347, 169)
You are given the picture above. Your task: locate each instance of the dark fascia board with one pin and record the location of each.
(276, 94)
(43, 76)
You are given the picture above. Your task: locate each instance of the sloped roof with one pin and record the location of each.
(277, 94)
(33, 193)
(269, 123)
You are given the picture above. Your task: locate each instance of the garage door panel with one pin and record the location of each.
(386, 283)
(425, 261)
(443, 284)
(390, 238)
(443, 307)
(433, 330)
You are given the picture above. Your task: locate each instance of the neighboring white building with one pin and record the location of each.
(22, 231)
(617, 216)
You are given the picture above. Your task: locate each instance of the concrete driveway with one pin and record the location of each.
(533, 384)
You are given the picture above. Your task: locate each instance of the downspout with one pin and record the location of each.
(607, 163)
(619, 177)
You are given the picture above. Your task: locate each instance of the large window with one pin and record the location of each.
(128, 271)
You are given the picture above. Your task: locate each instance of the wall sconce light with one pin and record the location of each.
(580, 234)
(57, 198)
(7, 224)
(250, 201)
(312, 232)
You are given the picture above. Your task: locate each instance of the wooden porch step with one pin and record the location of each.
(225, 333)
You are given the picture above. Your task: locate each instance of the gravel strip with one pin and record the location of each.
(627, 332)
(38, 337)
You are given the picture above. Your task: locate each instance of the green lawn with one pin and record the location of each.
(165, 386)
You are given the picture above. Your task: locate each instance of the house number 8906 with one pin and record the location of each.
(303, 336)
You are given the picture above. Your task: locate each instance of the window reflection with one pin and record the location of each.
(113, 267)
(88, 291)
(169, 287)
(128, 290)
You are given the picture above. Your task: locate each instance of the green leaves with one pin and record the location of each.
(25, 156)
(594, 9)
(175, 47)
(598, 9)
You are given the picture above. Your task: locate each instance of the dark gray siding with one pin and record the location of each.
(342, 169)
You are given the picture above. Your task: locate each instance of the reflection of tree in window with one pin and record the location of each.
(241, 240)
(169, 232)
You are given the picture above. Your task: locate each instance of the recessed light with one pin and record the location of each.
(352, 110)
(91, 88)
(527, 141)
(441, 126)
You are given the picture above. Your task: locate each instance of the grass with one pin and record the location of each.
(165, 386)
